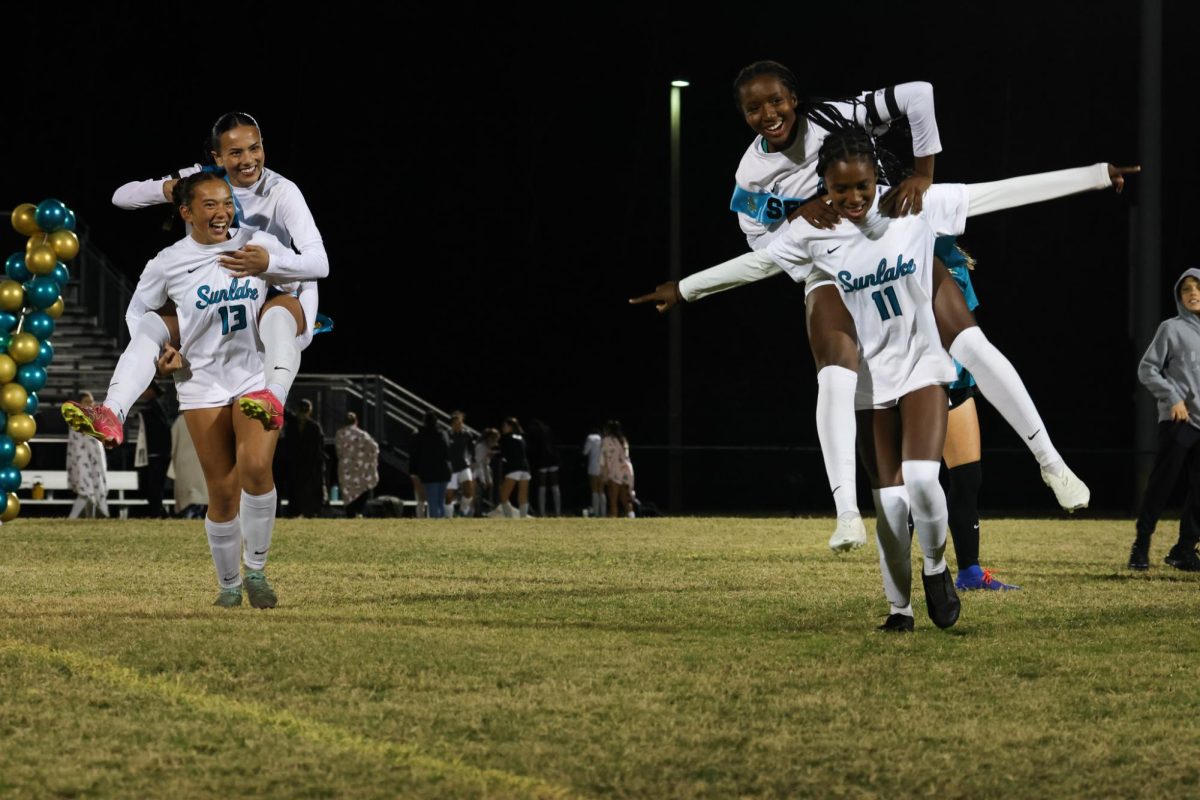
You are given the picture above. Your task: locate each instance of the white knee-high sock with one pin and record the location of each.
(281, 356)
(556, 498)
(836, 429)
(1002, 386)
(597, 504)
(136, 367)
(225, 542)
(895, 547)
(258, 520)
(927, 502)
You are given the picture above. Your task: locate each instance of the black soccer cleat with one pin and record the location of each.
(1139, 555)
(1183, 558)
(897, 623)
(940, 598)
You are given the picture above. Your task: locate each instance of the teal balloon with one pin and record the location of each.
(15, 268)
(40, 324)
(7, 321)
(51, 215)
(5, 341)
(31, 406)
(10, 480)
(60, 274)
(45, 354)
(8, 449)
(42, 291)
(3, 421)
(68, 225)
(32, 377)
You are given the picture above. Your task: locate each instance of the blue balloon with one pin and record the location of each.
(51, 215)
(40, 324)
(42, 291)
(45, 354)
(32, 377)
(10, 479)
(31, 404)
(7, 322)
(5, 341)
(69, 225)
(8, 449)
(15, 268)
(60, 274)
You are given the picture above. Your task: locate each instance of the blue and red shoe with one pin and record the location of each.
(975, 577)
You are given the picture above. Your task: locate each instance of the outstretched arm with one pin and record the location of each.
(997, 195)
(744, 269)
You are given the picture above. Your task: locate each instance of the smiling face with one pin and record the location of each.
(770, 109)
(851, 187)
(209, 212)
(241, 154)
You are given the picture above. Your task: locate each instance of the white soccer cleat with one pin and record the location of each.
(850, 533)
(1072, 493)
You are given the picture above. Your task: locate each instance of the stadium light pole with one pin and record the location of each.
(675, 334)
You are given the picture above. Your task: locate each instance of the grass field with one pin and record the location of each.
(575, 658)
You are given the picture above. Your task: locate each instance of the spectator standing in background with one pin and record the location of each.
(358, 464)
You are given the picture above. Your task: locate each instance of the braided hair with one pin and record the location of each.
(847, 144)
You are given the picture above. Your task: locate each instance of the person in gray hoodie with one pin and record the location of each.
(1170, 369)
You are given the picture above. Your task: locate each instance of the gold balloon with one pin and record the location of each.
(13, 397)
(65, 244)
(12, 296)
(8, 368)
(21, 427)
(24, 219)
(55, 311)
(21, 456)
(24, 346)
(37, 240)
(13, 508)
(41, 260)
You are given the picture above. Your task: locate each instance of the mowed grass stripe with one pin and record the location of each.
(486, 781)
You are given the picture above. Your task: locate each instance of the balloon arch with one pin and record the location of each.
(30, 302)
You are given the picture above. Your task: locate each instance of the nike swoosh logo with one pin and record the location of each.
(229, 578)
(193, 269)
(830, 251)
(1035, 433)
(261, 552)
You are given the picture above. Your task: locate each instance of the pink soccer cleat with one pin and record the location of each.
(263, 406)
(98, 422)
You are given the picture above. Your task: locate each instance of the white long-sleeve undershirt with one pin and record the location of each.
(983, 198)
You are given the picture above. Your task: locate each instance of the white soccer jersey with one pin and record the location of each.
(883, 269)
(792, 173)
(273, 204)
(218, 316)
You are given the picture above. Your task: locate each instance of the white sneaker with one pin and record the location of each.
(1072, 493)
(495, 512)
(850, 533)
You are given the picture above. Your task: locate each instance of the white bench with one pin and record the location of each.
(52, 480)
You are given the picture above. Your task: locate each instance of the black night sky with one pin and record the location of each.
(491, 188)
